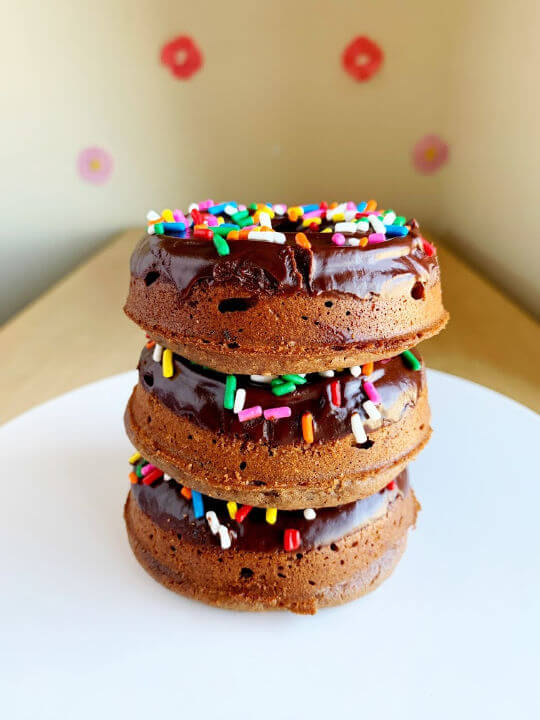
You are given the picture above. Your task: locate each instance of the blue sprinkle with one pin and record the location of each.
(174, 227)
(309, 208)
(198, 504)
(361, 206)
(396, 231)
(218, 209)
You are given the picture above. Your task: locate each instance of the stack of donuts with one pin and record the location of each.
(280, 399)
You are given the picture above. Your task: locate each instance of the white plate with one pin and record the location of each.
(86, 633)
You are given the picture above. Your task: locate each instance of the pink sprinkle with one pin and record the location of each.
(205, 204)
(280, 209)
(250, 413)
(371, 392)
(339, 238)
(313, 213)
(148, 468)
(179, 216)
(351, 205)
(376, 238)
(277, 413)
(242, 207)
(211, 221)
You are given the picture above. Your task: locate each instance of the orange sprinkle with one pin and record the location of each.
(243, 234)
(302, 240)
(367, 369)
(233, 235)
(133, 479)
(372, 205)
(158, 220)
(293, 215)
(186, 492)
(307, 427)
(333, 205)
(150, 344)
(363, 242)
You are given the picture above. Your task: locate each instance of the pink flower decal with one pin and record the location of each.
(182, 57)
(95, 165)
(429, 154)
(362, 58)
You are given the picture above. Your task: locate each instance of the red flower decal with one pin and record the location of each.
(362, 58)
(182, 57)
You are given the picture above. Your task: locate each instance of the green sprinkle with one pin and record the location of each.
(296, 379)
(225, 228)
(284, 388)
(276, 381)
(159, 229)
(230, 389)
(410, 360)
(252, 206)
(138, 469)
(400, 220)
(245, 221)
(240, 215)
(221, 245)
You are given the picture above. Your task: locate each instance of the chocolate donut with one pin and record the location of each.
(316, 289)
(180, 423)
(298, 560)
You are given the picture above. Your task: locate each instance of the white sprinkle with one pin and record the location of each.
(355, 370)
(150, 230)
(231, 209)
(350, 214)
(239, 400)
(264, 219)
(167, 477)
(326, 373)
(310, 514)
(358, 429)
(389, 218)
(152, 215)
(267, 236)
(262, 378)
(362, 226)
(158, 352)
(376, 375)
(213, 522)
(377, 225)
(224, 537)
(372, 410)
(193, 206)
(354, 241)
(345, 227)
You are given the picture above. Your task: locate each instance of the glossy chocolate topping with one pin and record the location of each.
(265, 267)
(197, 394)
(165, 506)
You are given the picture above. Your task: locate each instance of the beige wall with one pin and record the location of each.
(271, 115)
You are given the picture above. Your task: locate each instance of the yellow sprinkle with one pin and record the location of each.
(271, 515)
(232, 507)
(135, 458)
(308, 221)
(327, 230)
(220, 220)
(167, 215)
(168, 370)
(338, 217)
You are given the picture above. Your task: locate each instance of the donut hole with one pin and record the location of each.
(236, 304)
(150, 277)
(246, 573)
(418, 291)
(334, 547)
(233, 345)
(281, 575)
(311, 582)
(329, 303)
(299, 556)
(365, 446)
(149, 379)
(243, 465)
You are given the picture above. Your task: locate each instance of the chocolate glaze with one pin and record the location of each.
(165, 506)
(197, 394)
(265, 267)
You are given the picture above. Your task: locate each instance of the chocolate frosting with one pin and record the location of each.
(265, 267)
(166, 506)
(197, 394)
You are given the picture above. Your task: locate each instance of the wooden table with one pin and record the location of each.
(77, 333)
